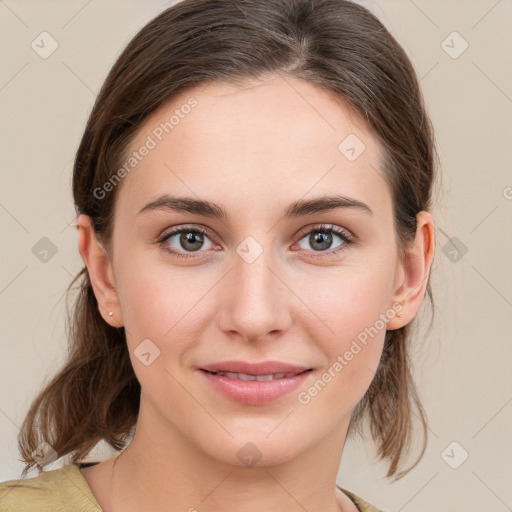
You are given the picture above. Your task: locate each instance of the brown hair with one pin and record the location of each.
(335, 44)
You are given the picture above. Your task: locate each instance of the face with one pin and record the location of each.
(269, 281)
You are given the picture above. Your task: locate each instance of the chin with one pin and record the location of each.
(254, 450)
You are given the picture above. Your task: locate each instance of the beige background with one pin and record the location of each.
(462, 363)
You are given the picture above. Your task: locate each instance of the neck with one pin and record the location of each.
(162, 466)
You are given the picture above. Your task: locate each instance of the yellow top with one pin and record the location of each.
(66, 490)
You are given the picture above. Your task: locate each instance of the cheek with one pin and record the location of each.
(347, 303)
(153, 294)
(161, 315)
(165, 306)
(352, 311)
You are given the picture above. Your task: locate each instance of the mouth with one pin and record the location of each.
(265, 369)
(255, 384)
(261, 378)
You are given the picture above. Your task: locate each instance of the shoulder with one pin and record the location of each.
(63, 489)
(361, 505)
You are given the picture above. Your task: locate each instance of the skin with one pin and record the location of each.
(254, 150)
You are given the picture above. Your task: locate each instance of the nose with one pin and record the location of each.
(257, 300)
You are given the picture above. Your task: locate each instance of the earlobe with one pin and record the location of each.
(100, 271)
(414, 272)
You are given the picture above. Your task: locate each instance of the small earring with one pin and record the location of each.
(110, 313)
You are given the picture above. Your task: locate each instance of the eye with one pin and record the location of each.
(190, 239)
(184, 241)
(320, 238)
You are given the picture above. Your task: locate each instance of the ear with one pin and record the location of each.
(412, 273)
(100, 271)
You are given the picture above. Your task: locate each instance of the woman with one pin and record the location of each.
(252, 191)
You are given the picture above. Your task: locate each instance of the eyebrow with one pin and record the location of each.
(166, 202)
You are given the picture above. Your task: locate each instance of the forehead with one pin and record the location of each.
(255, 146)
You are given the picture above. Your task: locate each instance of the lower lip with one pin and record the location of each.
(255, 392)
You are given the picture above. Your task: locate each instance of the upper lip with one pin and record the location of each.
(263, 368)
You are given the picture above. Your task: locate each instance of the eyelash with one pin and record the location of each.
(323, 228)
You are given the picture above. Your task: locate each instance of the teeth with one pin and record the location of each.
(241, 376)
(247, 377)
(265, 377)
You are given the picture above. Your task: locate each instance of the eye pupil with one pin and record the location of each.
(324, 239)
(191, 238)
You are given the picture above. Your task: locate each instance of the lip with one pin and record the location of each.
(263, 368)
(255, 392)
